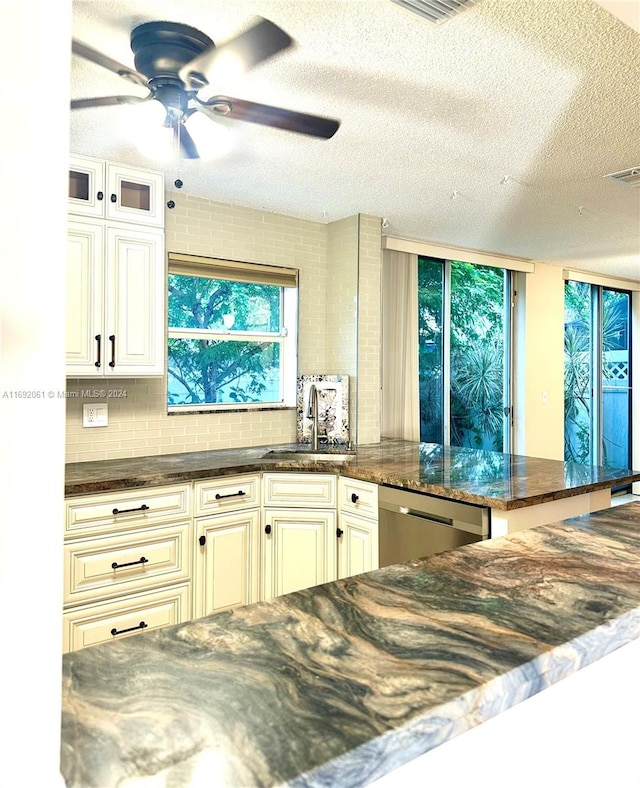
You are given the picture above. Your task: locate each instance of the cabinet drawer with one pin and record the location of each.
(92, 624)
(227, 493)
(299, 489)
(124, 510)
(358, 497)
(99, 568)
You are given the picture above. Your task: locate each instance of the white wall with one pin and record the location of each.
(539, 364)
(33, 157)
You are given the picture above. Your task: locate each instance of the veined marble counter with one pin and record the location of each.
(501, 481)
(339, 684)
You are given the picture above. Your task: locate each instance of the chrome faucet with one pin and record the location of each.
(312, 414)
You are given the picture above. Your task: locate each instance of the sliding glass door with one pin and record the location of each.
(597, 375)
(464, 330)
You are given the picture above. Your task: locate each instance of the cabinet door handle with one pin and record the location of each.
(202, 541)
(99, 341)
(231, 495)
(100, 196)
(142, 508)
(142, 561)
(112, 339)
(114, 198)
(339, 532)
(267, 529)
(354, 498)
(141, 625)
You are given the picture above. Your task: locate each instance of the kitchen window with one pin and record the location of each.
(232, 338)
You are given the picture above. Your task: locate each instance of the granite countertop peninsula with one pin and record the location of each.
(485, 478)
(342, 683)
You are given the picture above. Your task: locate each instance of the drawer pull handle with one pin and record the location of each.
(354, 498)
(142, 508)
(142, 560)
(231, 495)
(141, 625)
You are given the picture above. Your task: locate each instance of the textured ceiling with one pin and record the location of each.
(519, 107)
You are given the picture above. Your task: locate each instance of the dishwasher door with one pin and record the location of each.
(414, 525)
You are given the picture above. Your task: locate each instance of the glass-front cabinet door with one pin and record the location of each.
(135, 195)
(86, 186)
(114, 191)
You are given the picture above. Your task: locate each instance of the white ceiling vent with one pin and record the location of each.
(630, 177)
(435, 11)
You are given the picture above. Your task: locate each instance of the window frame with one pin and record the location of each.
(287, 336)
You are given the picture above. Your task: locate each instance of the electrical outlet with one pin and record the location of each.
(95, 414)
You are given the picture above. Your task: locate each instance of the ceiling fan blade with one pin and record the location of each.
(313, 125)
(255, 45)
(107, 101)
(94, 56)
(187, 145)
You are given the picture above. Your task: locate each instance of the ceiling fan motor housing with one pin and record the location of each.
(161, 49)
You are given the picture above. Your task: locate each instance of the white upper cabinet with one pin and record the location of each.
(113, 191)
(116, 271)
(115, 300)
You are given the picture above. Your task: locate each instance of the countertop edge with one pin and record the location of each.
(396, 747)
(347, 469)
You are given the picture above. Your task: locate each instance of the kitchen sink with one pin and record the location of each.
(308, 454)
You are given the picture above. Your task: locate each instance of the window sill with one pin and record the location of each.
(240, 408)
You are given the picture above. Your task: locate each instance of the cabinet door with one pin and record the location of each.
(135, 303)
(227, 563)
(86, 186)
(85, 341)
(299, 550)
(135, 195)
(357, 545)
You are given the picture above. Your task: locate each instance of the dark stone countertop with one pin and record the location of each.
(342, 683)
(486, 478)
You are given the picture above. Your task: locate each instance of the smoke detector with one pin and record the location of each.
(435, 11)
(630, 177)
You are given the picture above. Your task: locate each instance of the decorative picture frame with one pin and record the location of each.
(333, 408)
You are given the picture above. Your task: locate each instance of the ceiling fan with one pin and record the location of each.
(174, 62)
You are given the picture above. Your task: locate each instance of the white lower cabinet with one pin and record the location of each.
(227, 526)
(115, 619)
(299, 535)
(227, 564)
(148, 557)
(357, 545)
(298, 550)
(357, 527)
(127, 563)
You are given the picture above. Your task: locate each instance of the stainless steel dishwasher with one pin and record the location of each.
(414, 525)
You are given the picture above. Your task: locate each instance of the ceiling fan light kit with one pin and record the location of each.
(174, 62)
